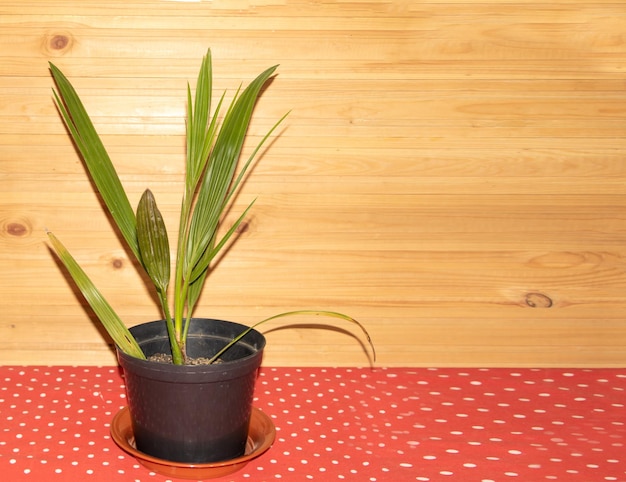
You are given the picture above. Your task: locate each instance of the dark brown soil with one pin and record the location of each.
(162, 358)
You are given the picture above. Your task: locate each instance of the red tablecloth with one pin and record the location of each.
(342, 424)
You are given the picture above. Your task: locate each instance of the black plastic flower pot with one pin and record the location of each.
(193, 413)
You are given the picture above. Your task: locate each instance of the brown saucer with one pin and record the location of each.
(261, 435)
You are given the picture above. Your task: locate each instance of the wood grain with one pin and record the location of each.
(452, 174)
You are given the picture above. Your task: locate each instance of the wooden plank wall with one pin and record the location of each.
(451, 174)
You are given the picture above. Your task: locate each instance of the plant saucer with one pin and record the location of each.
(261, 435)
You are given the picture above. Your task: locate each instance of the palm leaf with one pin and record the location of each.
(331, 314)
(201, 128)
(203, 263)
(220, 170)
(95, 157)
(153, 242)
(109, 319)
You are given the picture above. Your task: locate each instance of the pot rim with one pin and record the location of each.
(159, 369)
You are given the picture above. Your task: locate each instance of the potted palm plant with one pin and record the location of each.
(189, 380)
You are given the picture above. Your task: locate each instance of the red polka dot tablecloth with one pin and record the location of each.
(344, 424)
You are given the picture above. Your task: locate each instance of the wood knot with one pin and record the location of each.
(117, 263)
(16, 229)
(57, 44)
(538, 300)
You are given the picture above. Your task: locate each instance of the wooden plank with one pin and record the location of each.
(451, 174)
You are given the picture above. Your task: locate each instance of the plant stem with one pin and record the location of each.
(179, 289)
(178, 355)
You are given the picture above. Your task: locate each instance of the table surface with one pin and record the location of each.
(394, 424)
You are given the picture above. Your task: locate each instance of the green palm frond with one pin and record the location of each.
(221, 168)
(96, 158)
(109, 319)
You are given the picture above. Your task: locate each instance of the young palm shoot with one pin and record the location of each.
(214, 146)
